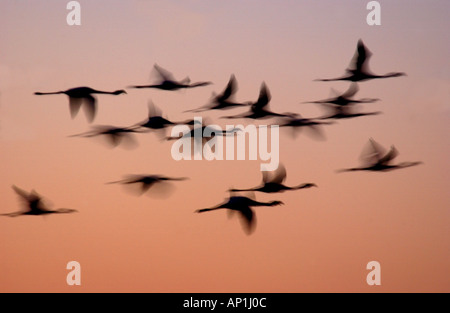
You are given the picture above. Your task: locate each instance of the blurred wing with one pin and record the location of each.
(351, 91)
(365, 54)
(136, 188)
(279, 175)
(160, 189)
(230, 89)
(74, 106)
(388, 157)
(331, 108)
(264, 97)
(22, 193)
(360, 59)
(316, 132)
(113, 139)
(163, 74)
(295, 131)
(128, 141)
(90, 108)
(248, 220)
(153, 110)
(372, 153)
(333, 93)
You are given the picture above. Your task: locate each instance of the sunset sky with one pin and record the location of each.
(320, 240)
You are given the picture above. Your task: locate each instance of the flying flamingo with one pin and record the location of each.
(34, 205)
(82, 95)
(114, 135)
(242, 205)
(147, 182)
(376, 159)
(259, 109)
(222, 101)
(358, 69)
(273, 182)
(346, 98)
(167, 81)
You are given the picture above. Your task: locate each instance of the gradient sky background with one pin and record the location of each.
(319, 241)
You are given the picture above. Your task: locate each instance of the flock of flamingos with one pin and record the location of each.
(342, 106)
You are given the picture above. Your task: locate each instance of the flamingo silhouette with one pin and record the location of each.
(115, 135)
(34, 205)
(242, 205)
(297, 122)
(155, 121)
(222, 101)
(167, 81)
(82, 95)
(258, 109)
(272, 183)
(146, 182)
(198, 127)
(346, 97)
(376, 159)
(203, 134)
(358, 69)
(343, 112)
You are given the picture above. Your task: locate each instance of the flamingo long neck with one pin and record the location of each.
(145, 86)
(178, 178)
(394, 74)
(367, 100)
(212, 209)
(243, 190)
(49, 93)
(257, 203)
(105, 92)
